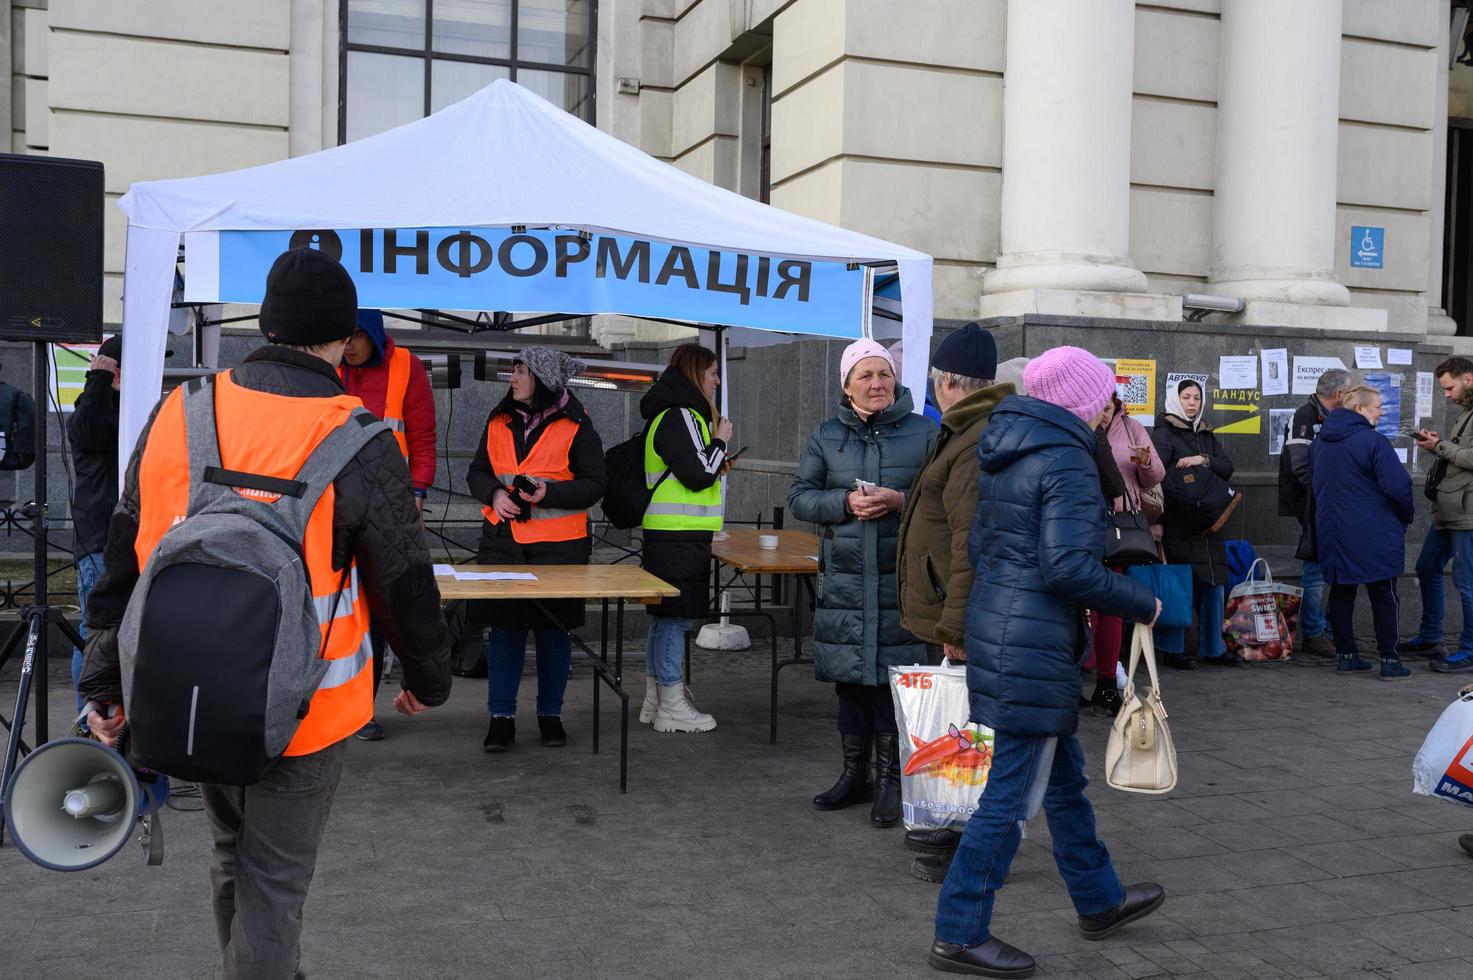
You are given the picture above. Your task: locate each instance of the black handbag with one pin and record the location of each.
(1128, 540)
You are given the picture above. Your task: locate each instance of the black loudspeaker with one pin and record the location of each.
(50, 249)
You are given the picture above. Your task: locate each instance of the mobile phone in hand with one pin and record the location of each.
(524, 484)
(731, 457)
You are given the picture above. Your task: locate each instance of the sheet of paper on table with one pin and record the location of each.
(450, 571)
(495, 577)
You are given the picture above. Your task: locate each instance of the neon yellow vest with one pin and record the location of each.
(674, 506)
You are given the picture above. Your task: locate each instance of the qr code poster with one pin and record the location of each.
(1135, 383)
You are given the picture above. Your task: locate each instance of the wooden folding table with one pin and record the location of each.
(607, 583)
(795, 556)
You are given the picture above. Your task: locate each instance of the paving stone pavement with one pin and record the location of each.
(1293, 847)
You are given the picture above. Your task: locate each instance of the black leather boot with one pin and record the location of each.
(886, 809)
(942, 841)
(854, 785)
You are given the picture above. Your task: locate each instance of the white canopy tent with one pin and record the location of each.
(501, 159)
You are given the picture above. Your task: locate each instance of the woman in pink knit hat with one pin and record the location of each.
(851, 483)
(1038, 544)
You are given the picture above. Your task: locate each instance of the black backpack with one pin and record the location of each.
(17, 428)
(628, 497)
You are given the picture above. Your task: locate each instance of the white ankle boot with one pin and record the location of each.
(677, 714)
(651, 701)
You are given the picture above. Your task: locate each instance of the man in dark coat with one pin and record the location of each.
(933, 572)
(92, 432)
(1363, 507)
(1294, 495)
(1038, 547)
(266, 835)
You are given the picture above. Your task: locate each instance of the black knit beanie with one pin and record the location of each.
(310, 300)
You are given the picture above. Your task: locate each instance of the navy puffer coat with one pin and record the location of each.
(1363, 501)
(857, 634)
(1038, 543)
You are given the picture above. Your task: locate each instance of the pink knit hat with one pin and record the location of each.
(857, 352)
(1073, 379)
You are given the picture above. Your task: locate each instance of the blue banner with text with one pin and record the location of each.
(551, 271)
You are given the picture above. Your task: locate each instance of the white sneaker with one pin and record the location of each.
(677, 714)
(651, 701)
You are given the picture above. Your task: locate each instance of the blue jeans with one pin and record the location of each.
(89, 570)
(506, 654)
(1312, 611)
(1438, 549)
(1209, 602)
(991, 838)
(664, 650)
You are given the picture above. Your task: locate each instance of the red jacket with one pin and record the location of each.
(370, 384)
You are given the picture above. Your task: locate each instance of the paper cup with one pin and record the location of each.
(767, 542)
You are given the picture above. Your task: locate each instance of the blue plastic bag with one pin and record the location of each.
(1172, 584)
(1240, 558)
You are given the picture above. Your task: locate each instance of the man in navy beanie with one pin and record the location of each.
(936, 521)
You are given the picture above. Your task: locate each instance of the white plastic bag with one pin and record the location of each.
(944, 758)
(1444, 764)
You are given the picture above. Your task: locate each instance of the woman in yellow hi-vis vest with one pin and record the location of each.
(685, 457)
(538, 436)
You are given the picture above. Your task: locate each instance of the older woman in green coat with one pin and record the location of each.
(852, 482)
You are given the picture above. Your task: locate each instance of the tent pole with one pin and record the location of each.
(721, 366)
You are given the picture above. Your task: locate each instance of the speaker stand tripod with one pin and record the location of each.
(38, 616)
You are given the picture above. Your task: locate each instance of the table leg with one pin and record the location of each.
(603, 634)
(623, 699)
(797, 658)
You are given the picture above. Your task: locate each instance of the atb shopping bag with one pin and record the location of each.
(1260, 616)
(1444, 764)
(944, 758)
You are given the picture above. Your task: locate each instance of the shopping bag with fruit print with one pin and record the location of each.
(1260, 616)
(944, 758)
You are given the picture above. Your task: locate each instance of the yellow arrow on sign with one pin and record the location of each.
(1249, 426)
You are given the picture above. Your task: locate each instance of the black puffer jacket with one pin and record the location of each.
(1182, 542)
(375, 522)
(498, 547)
(92, 431)
(682, 558)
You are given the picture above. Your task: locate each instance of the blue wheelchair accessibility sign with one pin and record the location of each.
(1367, 247)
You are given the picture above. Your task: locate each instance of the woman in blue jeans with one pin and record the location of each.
(685, 458)
(1184, 440)
(537, 470)
(1038, 543)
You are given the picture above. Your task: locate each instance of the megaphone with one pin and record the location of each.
(72, 804)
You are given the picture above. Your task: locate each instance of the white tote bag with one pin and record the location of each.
(1140, 757)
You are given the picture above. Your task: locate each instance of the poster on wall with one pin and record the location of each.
(1135, 384)
(1237, 372)
(1424, 395)
(1279, 420)
(1307, 371)
(1275, 371)
(1389, 387)
(69, 363)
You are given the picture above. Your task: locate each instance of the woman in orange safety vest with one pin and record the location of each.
(539, 466)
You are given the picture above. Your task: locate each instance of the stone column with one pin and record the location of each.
(1278, 101)
(1066, 148)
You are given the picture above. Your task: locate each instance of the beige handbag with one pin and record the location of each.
(1140, 757)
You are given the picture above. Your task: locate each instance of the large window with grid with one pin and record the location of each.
(404, 59)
